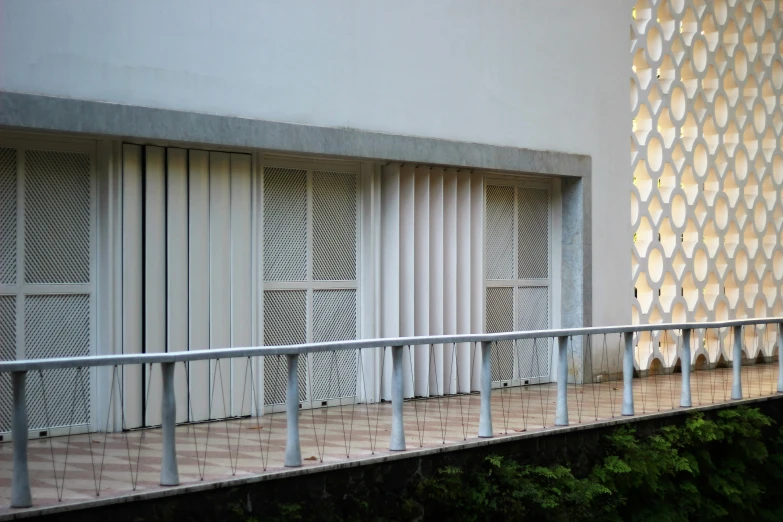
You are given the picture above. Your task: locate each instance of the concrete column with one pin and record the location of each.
(685, 364)
(293, 450)
(169, 473)
(736, 365)
(485, 416)
(397, 442)
(561, 413)
(628, 375)
(20, 481)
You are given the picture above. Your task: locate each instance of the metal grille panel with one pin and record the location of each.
(500, 318)
(57, 217)
(58, 326)
(285, 322)
(7, 216)
(533, 314)
(500, 232)
(334, 319)
(285, 224)
(533, 233)
(334, 226)
(7, 353)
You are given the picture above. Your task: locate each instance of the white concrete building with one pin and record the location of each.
(184, 175)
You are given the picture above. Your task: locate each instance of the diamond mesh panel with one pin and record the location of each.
(500, 318)
(334, 319)
(533, 233)
(7, 216)
(334, 226)
(58, 326)
(7, 353)
(533, 314)
(285, 224)
(500, 233)
(57, 217)
(285, 322)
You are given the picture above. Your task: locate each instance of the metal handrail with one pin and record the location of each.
(296, 349)
(169, 476)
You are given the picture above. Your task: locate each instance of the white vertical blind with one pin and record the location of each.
(431, 277)
(177, 267)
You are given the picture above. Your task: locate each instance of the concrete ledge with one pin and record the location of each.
(391, 457)
(46, 113)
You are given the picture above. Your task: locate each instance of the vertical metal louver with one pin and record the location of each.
(285, 224)
(334, 226)
(7, 216)
(58, 326)
(500, 232)
(533, 233)
(57, 217)
(7, 353)
(500, 318)
(533, 314)
(334, 319)
(285, 322)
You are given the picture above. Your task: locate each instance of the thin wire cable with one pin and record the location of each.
(68, 440)
(89, 437)
(544, 407)
(48, 426)
(366, 400)
(439, 395)
(470, 385)
(258, 410)
(340, 400)
(106, 428)
(525, 410)
(235, 464)
(378, 410)
(192, 427)
(415, 402)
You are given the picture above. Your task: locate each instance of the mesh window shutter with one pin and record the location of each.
(500, 318)
(334, 226)
(285, 224)
(7, 216)
(533, 314)
(533, 233)
(58, 326)
(500, 232)
(7, 353)
(285, 322)
(334, 319)
(57, 217)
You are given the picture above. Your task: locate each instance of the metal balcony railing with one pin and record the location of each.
(630, 335)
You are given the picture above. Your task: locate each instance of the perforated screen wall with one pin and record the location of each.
(707, 198)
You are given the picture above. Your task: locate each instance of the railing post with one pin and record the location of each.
(628, 375)
(397, 442)
(561, 412)
(780, 359)
(293, 450)
(20, 482)
(485, 416)
(685, 365)
(169, 473)
(736, 364)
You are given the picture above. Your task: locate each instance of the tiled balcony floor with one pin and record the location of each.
(220, 451)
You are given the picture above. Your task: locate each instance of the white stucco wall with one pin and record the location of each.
(542, 74)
